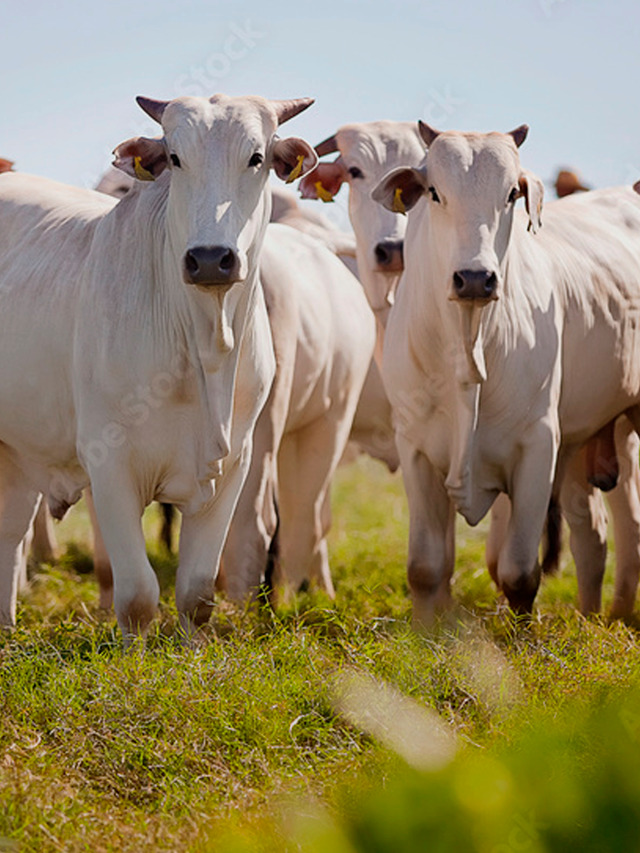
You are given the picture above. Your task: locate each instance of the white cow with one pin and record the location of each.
(367, 152)
(137, 351)
(487, 317)
(372, 430)
(324, 334)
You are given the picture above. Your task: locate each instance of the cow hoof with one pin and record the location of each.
(521, 597)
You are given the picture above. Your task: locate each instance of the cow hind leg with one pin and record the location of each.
(624, 502)
(500, 514)
(18, 505)
(43, 543)
(584, 510)
(101, 561)
(307, 462)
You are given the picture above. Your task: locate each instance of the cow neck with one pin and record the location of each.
(452, 340)
(215, 346)
(200, 328)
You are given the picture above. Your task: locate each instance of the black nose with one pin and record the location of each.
(475, 284)
(211, 265)
(388, 255)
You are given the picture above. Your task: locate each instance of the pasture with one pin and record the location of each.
(323, 726)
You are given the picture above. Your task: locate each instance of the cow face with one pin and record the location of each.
(367, 152)
(471, 182)
(218, 152)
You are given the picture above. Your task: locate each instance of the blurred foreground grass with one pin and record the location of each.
(327, 726)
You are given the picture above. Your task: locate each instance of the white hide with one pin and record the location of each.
(566, 296)
(324, 334)
(367, 152)
(117, 372)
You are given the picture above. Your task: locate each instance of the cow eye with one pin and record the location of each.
(513, 195)
(355, 172)
(434, 194)
(175, 160)
(256, 159)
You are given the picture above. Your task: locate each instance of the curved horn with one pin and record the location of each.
(519, 134)
(328, 146)
(429, 134)
(288, 109)
(152, 108)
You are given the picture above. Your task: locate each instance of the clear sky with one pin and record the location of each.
(70, 71)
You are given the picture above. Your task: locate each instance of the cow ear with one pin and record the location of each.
(324, 181)
(400, 189)
(532, 189)
(636, 186)
(141, 158)
(6, 165)
(292, 158)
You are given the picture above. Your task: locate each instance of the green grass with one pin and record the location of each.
(246, 744)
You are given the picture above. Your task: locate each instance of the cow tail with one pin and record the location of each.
(552, 541)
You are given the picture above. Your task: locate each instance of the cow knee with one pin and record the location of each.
(424, 579)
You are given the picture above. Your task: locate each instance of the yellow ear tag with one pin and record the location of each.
(295, 172)
(398, 204)
(324, 195)
(141, 173)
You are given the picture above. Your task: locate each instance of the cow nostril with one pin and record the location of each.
(227, 261)
(191, 264)
(490, 284)
(458, 282)
(382, 254)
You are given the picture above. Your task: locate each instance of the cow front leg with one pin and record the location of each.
(18, 504)
(431, 535)
(530, 491)
(202, 538)
(118, 509)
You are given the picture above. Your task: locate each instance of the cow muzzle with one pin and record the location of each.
(389, 256)
(210, 266)
(481, 285)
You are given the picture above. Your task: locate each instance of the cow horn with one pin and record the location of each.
(328, 146)
(152, 108)
(519, 134)
(429, 134)
(288, 109)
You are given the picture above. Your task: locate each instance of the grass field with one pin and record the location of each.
(327, 726)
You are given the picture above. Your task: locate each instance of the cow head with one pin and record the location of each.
(367, 152)
(471, 182)
(217, 153)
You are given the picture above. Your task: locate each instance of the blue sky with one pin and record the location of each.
(568, 68)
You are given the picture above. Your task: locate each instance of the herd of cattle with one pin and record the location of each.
(183, 336)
